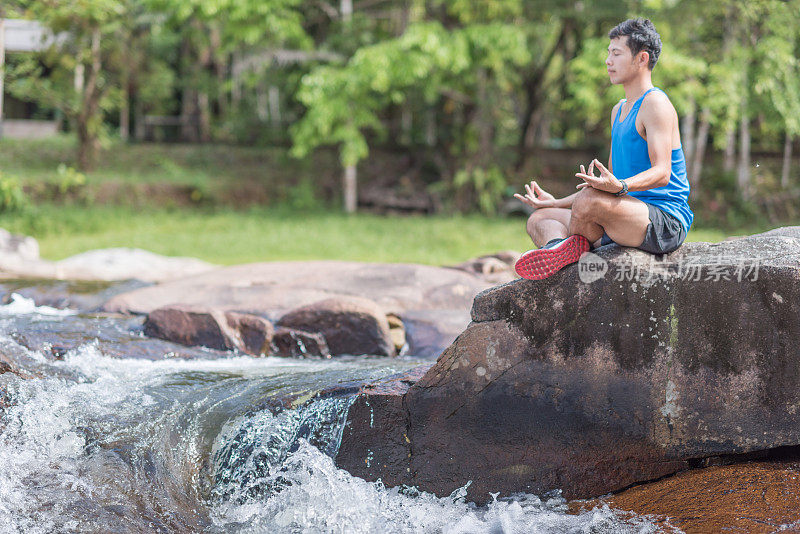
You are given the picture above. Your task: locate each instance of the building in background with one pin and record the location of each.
(19, 118)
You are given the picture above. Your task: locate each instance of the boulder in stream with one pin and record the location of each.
(599, 378)
(350, 325)
(197, 326)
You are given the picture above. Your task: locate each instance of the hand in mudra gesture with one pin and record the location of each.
(605, 182)
(536, 197)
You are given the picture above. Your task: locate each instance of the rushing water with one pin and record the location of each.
(112, 432)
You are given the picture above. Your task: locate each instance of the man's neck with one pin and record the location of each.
(637, 87)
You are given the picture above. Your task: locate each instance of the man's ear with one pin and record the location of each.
(644, 58)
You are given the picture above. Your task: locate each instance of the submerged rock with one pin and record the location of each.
(593, 380)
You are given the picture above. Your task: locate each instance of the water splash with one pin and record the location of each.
(317, 497)
(20, 305)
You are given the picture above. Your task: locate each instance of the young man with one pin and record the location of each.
(640, 200)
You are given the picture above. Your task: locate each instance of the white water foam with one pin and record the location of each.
(316, 497)
(77, 444)
(20, 305)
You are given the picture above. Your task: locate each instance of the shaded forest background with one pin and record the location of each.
(423, 105)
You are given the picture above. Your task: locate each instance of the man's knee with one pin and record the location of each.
(591, 204)
(536, 218)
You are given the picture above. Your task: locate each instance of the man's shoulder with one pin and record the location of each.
(657, 102)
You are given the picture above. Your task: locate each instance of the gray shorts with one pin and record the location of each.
(665, 233)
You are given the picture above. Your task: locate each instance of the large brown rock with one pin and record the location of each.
(350, 325)
(197, 326)
(590, 387)
(754, 497)
(274, 289)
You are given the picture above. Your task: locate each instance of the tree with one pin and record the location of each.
(428, 62)
(77, 81)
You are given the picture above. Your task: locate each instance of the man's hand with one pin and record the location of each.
(537, 197)
(605, 182)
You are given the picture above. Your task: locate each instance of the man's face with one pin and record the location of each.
(620, 63)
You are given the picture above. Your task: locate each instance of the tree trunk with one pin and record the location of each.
(125, 109)
(730, 150)
(430, 126)
(350, 189)
(743, 172)
(484, 120)
(188, 94)
(700, 149)
(2, 67)
(687, 131)
(534, 92)
(787, 161)
(347, 10)
(138, 118)
(274, 106)
(88, 119)
(204, 116)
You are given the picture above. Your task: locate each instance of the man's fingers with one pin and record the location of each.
(582, 186)
(587, 177)
(601, 166)
(583, 170)
(537, 189)
(591, 168)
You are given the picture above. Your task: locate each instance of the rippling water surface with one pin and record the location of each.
(113, 433)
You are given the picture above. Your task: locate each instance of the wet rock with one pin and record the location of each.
(197, 326)
(82, 296)
(757, 497)
(190, 325)
(350, 325)
(592, 385)
(290, 343)
(254, 333)
(378, 413)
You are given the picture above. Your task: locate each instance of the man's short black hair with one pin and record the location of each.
(642, 35)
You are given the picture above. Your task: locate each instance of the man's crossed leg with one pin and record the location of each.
(563, 234)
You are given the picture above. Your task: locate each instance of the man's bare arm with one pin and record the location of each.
(658, 118)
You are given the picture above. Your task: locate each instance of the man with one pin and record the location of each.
(641, 199)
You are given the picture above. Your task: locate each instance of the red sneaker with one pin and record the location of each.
(542, 262)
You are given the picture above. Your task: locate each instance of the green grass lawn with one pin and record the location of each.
(230, 237)
(221, 234)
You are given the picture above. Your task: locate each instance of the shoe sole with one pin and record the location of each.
(543, 262)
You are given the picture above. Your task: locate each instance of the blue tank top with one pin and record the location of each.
(629, 157)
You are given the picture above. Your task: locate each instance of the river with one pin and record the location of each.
(103, 430)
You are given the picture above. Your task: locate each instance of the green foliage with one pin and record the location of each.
(12, 197)
(488, 186)
(69, 179)
(429, 60)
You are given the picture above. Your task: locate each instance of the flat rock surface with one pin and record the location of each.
(756, 498)
(103, 265)
(276, 288)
